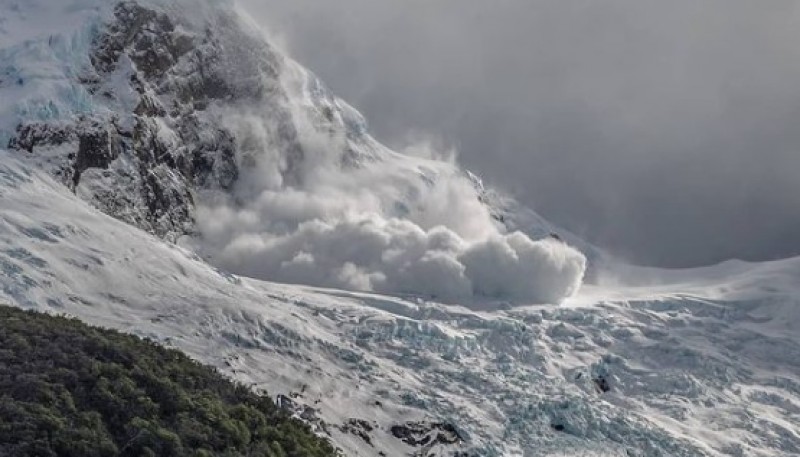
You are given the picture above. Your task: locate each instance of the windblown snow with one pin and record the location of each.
(389, 223)
(437, 331)
(384, 222)
(396, 226)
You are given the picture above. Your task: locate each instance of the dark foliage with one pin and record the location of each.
(68, 389)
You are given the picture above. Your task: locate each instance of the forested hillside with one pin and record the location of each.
(68, 389)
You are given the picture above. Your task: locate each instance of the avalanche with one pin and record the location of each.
(703, 363)
(287, 184)
(152, 155)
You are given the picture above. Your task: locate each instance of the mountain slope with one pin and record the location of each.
(131, 125)
(73, 390)
(677, 369)
(192, 124)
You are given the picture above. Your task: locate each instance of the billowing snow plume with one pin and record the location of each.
(352, 214)
(164, 116)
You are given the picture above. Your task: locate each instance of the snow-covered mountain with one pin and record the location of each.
(157, 147)
(191, 123)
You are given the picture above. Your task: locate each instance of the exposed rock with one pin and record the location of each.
(602, 384)
(601, 375)
(149, 38)
(285, 403)
(359, 428)
(305, 413)
(145, 163)
(427, 433)
(97, 148)
(29, 136)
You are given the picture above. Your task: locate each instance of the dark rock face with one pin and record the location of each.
(602, 383)
(427, 435)
(148, 33)
(97, 148)
(31, 135)
(145, 163)
(359, 428)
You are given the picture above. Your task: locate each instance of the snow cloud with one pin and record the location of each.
(377, 221)
(664, 131)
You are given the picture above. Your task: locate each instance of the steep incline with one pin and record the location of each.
(187, 122)
(177, 118)
(706, 364)
(119, 107)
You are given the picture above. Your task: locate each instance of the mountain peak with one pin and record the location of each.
(163, 120)
(415, 310)
(115, 107)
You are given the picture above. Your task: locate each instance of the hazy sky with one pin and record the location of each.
(666, 131)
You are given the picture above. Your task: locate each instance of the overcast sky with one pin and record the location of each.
(666, 131)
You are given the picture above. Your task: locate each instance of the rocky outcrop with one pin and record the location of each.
(163, 143)
(42, 135)
(98, 147)
(429, 437)
(360, 428)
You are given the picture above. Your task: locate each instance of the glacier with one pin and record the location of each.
(704, 363)
(135, 185)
